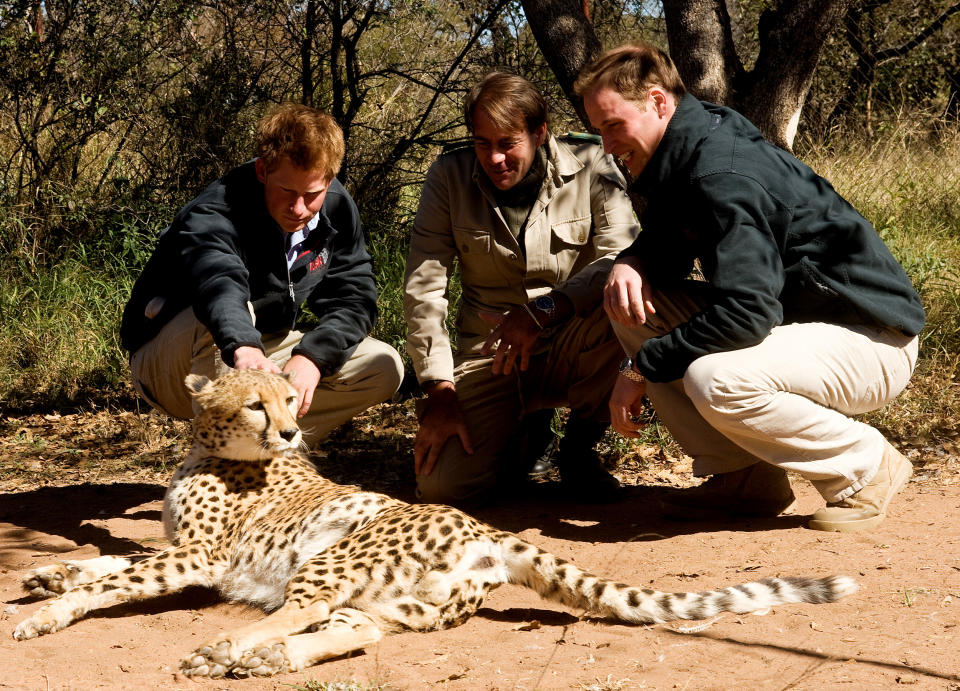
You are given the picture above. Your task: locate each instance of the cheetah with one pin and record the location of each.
(338, 567)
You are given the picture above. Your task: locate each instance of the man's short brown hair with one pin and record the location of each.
(508, 100)
(310, 138)
(631, 70)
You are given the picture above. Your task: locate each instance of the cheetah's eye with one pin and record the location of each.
(256, 405)
(292, 400)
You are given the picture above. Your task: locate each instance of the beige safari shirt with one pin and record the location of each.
(580, 221)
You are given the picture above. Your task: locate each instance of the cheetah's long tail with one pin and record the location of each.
(557, 579)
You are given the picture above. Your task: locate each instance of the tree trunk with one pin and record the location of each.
(566, 39)
(307, 86)
(701, 45)
(791, 41)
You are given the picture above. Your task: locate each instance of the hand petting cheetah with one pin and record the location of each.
(339, 567)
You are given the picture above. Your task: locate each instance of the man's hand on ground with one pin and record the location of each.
(517, 334)
(249, 357)
(307, 376)
(625, 404)
(440, 419)
(627, 296)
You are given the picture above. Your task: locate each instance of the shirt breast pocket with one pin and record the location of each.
(475, 248)
(568, 240)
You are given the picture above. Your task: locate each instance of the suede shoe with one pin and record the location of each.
(867, 507)
(760, 490)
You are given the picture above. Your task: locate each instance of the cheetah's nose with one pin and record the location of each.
(289, 434)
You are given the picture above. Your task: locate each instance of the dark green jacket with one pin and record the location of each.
(224, 249)
(776, 243)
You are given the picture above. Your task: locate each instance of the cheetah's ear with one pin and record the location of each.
(196, 383)
(289, 376)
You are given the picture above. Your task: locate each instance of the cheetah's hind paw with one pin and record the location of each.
(215, 661)
(51, 580)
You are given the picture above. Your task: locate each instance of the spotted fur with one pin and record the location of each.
(337, 566)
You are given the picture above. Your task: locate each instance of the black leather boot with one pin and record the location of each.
(540, 443)
(581, 470)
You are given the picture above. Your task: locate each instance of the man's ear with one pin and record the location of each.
(541, 134)
(261, 168)
(660, 100)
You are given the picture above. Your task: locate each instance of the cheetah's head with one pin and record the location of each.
(245, 414)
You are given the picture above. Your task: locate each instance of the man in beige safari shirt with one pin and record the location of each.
(535, 223)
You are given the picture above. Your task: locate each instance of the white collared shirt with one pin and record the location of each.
(294, 241)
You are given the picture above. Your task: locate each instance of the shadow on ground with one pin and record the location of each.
(29, 519)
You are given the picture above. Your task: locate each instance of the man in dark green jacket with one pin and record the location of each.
(804, 319)
(227, 282)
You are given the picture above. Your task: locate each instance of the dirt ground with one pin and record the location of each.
(97, 489)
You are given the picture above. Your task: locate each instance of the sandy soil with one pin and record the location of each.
(75, 486)
(900, 629)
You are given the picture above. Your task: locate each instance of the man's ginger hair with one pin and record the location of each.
(631, 70)
(310, 138)
(508, 100)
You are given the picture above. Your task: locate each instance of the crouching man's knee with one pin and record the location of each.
(459, 484)
(718, 389)
(387, 366)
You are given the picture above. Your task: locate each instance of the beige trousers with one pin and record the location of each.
(184, 346)
(576, 368)
(786, 401)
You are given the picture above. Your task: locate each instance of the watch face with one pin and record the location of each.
(545, 303)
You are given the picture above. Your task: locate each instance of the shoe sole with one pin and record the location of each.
(899, 482)
(847, 526)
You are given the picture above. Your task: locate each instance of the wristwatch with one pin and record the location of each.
(546, 304)
(627, 370)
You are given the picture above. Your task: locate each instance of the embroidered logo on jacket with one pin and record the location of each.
(320, 260)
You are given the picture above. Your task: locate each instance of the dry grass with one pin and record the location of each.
(906, 184)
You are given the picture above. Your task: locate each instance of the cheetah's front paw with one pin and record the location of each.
(50, 581)
(213, 660)
(37, 625)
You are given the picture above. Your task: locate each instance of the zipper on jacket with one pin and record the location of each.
(290, 290)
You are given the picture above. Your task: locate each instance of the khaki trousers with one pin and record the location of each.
(786, 401)
(577, 367)
(184, 346)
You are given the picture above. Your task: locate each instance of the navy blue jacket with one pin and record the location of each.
(776, 243)
(224, 249)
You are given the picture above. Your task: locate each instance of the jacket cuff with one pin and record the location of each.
(584, 295)
(434, 367)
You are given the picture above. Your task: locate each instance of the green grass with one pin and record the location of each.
(60, 329)
(59, 314)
